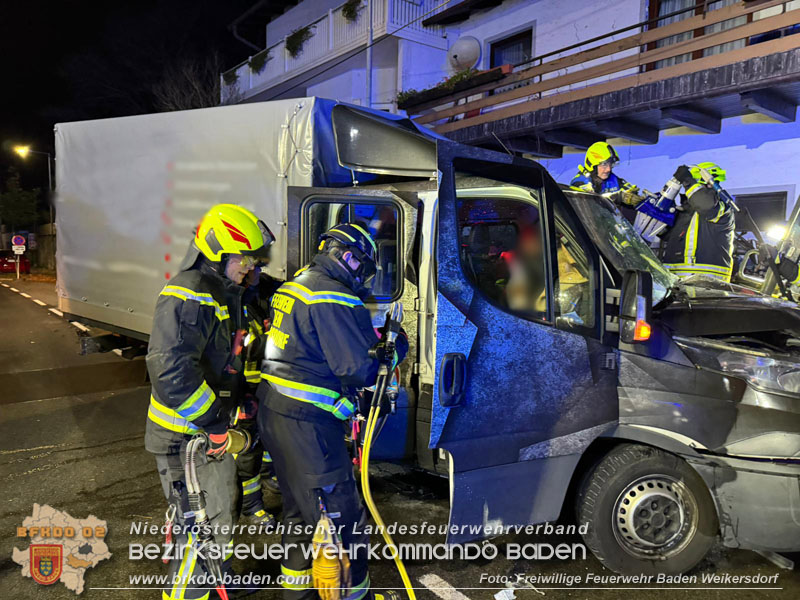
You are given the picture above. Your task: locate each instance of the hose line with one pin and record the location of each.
(371, 421)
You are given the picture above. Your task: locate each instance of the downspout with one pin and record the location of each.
(369, 55)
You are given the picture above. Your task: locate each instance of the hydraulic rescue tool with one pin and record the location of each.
(238, 440)
(657, 212)
(385, 354)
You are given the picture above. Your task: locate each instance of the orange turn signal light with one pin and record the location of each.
(642, 331)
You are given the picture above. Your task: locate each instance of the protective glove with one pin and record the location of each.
(217, 445)
(684, 175)
(234, 441)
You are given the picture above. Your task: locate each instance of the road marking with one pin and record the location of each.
(4, 284)
(24, 295)
(57, 312)
(39, 302)
(14, 290)
(441, 588)
(80, 326)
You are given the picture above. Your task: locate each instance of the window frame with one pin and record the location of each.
(307, 245)
(526, 31)
(547, 318)
(552, 194)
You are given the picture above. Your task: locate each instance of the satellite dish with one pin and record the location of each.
(464, 53)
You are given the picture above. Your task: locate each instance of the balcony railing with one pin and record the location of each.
(578, 72)
(332, 35)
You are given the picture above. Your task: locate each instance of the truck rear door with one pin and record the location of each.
(522, 381)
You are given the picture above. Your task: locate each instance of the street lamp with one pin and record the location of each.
(23, 152)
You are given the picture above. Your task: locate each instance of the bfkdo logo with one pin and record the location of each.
(46, 562)
(62, 548)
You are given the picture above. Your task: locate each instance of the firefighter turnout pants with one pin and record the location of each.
(311, 461)
(218, 481)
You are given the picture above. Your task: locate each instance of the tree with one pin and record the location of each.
(190, 83)
(18, 207)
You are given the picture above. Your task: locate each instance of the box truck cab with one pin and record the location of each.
(552, 352)
(554, 362)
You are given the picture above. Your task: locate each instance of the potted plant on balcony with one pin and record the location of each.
(350, 10)
(258, 61)
(463, 80)
(296, 39)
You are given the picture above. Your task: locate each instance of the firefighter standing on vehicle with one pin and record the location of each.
(701, 240)
(316, 357)
(193, 369)
(596, 175)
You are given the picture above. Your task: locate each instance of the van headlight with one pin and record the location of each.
(759, 369)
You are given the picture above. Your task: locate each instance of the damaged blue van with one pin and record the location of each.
(556, 365)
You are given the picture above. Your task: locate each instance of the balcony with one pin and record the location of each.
(742, 59)
(332, 37)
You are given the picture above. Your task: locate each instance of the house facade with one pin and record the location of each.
(667, 82)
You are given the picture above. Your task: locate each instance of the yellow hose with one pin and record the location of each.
(371, 421)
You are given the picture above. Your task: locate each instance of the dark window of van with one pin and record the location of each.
(502, 248)
(381, 219)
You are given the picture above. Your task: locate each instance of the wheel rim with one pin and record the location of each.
(655, 516)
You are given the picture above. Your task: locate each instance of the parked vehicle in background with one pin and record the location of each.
(8, 263)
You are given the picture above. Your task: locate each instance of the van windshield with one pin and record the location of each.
(618, 241)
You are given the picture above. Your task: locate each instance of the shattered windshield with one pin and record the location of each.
(618, 241)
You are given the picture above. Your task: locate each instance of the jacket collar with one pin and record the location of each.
(330, 267)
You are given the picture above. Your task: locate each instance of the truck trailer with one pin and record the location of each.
(556, 366)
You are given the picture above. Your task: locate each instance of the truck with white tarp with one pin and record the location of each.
(555, 364)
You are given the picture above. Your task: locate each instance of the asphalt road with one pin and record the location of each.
(82, 452)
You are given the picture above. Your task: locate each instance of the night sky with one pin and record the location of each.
(67, 60)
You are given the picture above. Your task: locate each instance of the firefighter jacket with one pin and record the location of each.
(701, 240)
(318, 344)
(193, 371)
(615, 187)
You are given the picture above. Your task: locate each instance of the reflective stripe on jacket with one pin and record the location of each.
(701, 241)
(195, 318)
(318, 342)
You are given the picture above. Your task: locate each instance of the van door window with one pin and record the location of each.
(502, 249)
(574, 294)
(381, 219)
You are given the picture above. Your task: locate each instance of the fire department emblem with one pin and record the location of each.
(46, 563)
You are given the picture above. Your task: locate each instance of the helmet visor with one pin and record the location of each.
(268, 238)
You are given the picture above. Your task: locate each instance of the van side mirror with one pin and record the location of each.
(635, 307)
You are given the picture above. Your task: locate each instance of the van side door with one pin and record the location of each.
(522, 381)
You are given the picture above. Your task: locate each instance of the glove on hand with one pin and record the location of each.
(217, 445)
(684, 175)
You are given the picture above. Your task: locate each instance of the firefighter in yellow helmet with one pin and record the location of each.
(195, 369)
(596, 175)
(701, 240)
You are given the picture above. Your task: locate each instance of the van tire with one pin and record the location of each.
(615, 482)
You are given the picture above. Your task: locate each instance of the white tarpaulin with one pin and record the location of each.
(131, 190)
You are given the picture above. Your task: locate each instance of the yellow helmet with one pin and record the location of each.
(600, 152)
(231, 229)
(713, 169)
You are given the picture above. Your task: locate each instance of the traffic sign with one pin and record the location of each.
(17, 240)
(18, 249)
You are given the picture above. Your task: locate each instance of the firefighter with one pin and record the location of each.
(250, 465)
(316, 357)
(701, 240)
(193, 368)
(596, 175)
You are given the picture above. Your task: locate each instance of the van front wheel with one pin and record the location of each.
(648, 512)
